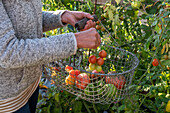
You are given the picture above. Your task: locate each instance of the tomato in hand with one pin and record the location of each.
(155, 62)
(92, 59)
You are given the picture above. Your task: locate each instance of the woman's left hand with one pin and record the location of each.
(72, 17)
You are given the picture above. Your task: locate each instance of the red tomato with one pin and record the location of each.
(74, 73)
(93, 75)
(82, 81)
(92, 59)
(57, 68)
(103, 54)
(68, 68)
(155, 62)
(100, 61)
(119, 81)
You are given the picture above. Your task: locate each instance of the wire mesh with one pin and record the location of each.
(75, 74)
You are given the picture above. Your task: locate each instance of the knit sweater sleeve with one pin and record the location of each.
(16, 53)
(52, 19)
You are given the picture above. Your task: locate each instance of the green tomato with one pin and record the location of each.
(142, 0)
(90, 89)
(92, 66)
(98, 68)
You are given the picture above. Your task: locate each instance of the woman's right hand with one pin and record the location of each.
(88, 39)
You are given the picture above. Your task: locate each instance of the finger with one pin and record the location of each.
(90, 24)
(87, 15)
(94, 24)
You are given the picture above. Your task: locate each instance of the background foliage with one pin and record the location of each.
(141, 27)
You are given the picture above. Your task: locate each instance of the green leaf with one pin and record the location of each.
(50, 95)
(164, 42)
(57, 97)
(48, 108)
(165, 62)
(154, 23)
(166, 13)
(122, 107)
(77, 106)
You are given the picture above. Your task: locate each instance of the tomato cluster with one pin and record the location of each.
(77, 78)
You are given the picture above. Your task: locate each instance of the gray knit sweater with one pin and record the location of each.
(22, 47)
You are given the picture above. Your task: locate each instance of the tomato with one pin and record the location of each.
(109, 79)
(97, 22)
(90, 89)
(102, 72)
(68, 68)
(98, 68)
(82, 81)
(98, 27)
(111, 90)
(70, 80)
(155, 62)
(92, 66)
(92, 59)
(103, 54)
(93, 75)
(142, 0)
(100, 61)
(77, 72)
(119, 81)
(74, 73)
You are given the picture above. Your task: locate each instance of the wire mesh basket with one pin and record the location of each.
(92, 80)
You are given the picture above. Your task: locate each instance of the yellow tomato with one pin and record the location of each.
(70, 80)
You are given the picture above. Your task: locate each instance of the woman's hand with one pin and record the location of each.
(72, 17)
(88, 39)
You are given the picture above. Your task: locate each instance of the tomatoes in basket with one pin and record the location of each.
(92, 66)
(98, 68)
(110, 79)
(70, 80)
(119, 81)
(92, 59)
(82, 81)
(68, 68)
(74, 73)
(100, 61)
(155, 62)
(102, 53)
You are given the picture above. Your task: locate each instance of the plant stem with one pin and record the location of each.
(86, 106)
(142, 102)
(95, 108)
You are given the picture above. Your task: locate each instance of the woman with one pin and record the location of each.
(23, 49)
